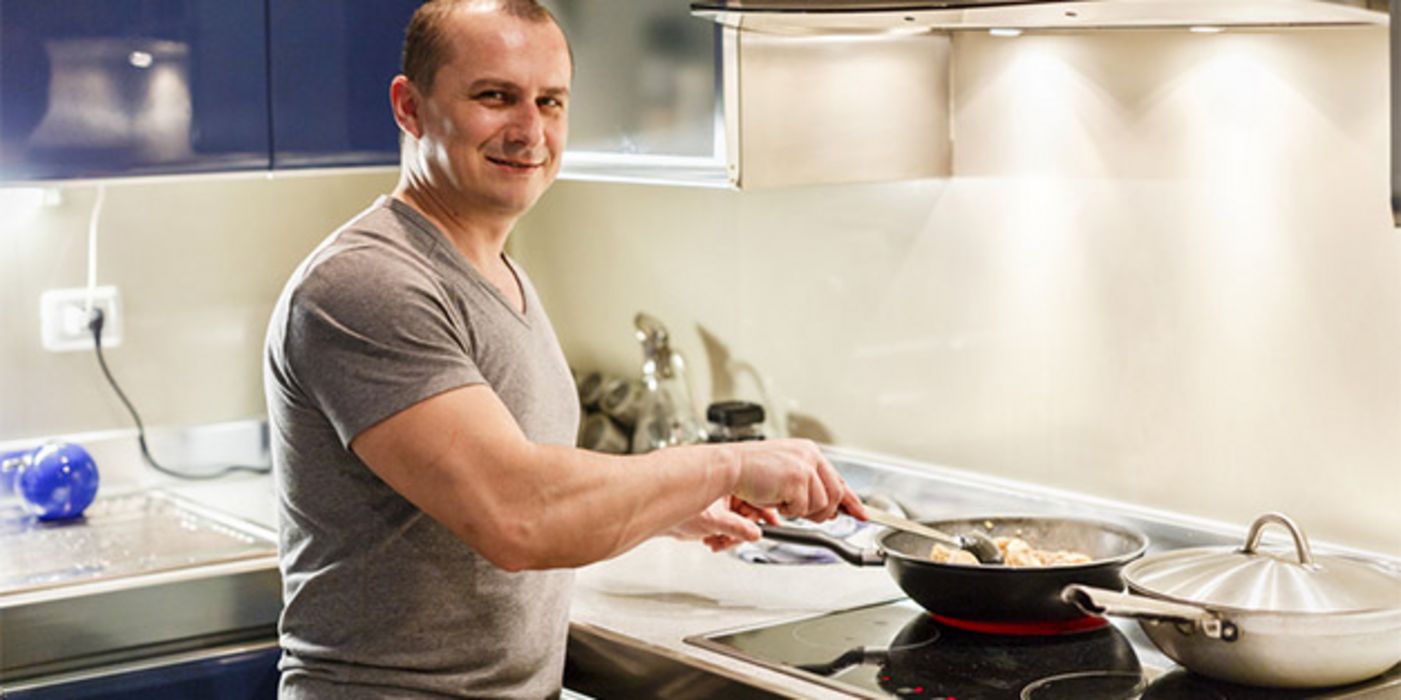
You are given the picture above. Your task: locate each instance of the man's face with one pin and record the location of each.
(493, 125)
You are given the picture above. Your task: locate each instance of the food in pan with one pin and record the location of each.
(943, 555)
(1015, 552)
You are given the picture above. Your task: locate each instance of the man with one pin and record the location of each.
(431, 502)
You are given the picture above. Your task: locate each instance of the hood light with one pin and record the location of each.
(1005, 31)
(1204, 29)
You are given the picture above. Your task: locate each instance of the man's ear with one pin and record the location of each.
(404, 98)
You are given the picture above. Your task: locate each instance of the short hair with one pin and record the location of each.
(425, 43)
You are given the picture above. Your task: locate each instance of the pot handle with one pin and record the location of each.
(1301, 542)
(801, 535)
(1101, 601)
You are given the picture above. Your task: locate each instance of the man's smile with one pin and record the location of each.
(516, 164)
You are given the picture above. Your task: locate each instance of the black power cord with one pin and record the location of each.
(95, 321)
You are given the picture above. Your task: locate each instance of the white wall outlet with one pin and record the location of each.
(63, 318)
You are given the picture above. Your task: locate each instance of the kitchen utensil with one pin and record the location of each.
(977, 544)
(1262, 618)
(994, 597)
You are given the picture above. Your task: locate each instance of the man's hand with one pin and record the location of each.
(724, 524)
(794, 477)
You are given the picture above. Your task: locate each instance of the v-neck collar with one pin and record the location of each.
(449, 252)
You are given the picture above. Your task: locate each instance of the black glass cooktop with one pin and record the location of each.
(896, 649)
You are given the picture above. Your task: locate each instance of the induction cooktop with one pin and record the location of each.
(896, 649)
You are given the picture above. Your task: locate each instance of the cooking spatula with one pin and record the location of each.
(976, 543)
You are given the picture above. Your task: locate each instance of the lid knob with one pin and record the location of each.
(1257, 531)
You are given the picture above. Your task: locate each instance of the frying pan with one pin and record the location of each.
(992, 593)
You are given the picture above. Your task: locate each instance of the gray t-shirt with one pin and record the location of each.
(380, 600)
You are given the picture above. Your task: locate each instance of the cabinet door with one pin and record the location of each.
(106, 88)
(645, 78)
(645, 103)
(332, 61)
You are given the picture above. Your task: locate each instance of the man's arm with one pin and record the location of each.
(461, 457)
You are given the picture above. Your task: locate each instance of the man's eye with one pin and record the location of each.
(492, 96)
(552, 103)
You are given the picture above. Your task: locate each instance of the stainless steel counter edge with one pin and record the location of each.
(159, 578)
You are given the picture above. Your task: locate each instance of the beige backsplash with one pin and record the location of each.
(198, 262)
(1164, 273)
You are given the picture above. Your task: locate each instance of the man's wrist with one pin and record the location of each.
(729, 465)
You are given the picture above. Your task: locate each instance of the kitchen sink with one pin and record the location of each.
(143, 574)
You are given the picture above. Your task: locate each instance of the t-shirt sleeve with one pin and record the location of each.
(365, 341)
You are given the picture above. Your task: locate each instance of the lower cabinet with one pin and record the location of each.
(247, 672)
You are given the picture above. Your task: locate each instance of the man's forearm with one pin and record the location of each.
(564, 507)
(593, 506)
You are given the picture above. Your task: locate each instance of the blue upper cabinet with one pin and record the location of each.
(108, 88)
(332, 61)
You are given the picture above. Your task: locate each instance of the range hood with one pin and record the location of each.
(901, 51)
(902, 16)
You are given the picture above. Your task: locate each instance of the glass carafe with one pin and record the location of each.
(668, 416)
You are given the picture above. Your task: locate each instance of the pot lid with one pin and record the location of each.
(1248, 578)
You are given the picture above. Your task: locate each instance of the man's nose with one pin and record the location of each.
(526, 127)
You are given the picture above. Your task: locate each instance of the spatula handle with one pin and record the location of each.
(911, 526)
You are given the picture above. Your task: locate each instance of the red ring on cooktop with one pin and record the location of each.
(1025, 629)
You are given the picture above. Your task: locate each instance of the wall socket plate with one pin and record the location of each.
(63, 318)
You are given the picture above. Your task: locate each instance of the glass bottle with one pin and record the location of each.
(668, 416)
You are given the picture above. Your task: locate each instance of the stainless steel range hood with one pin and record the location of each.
(900, 16)
(900, 51)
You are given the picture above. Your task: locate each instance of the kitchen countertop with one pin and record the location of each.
(650, 599)
(653, 597)
(664, 590)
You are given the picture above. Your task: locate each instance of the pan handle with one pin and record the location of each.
(1101, 601)
(799, 535)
